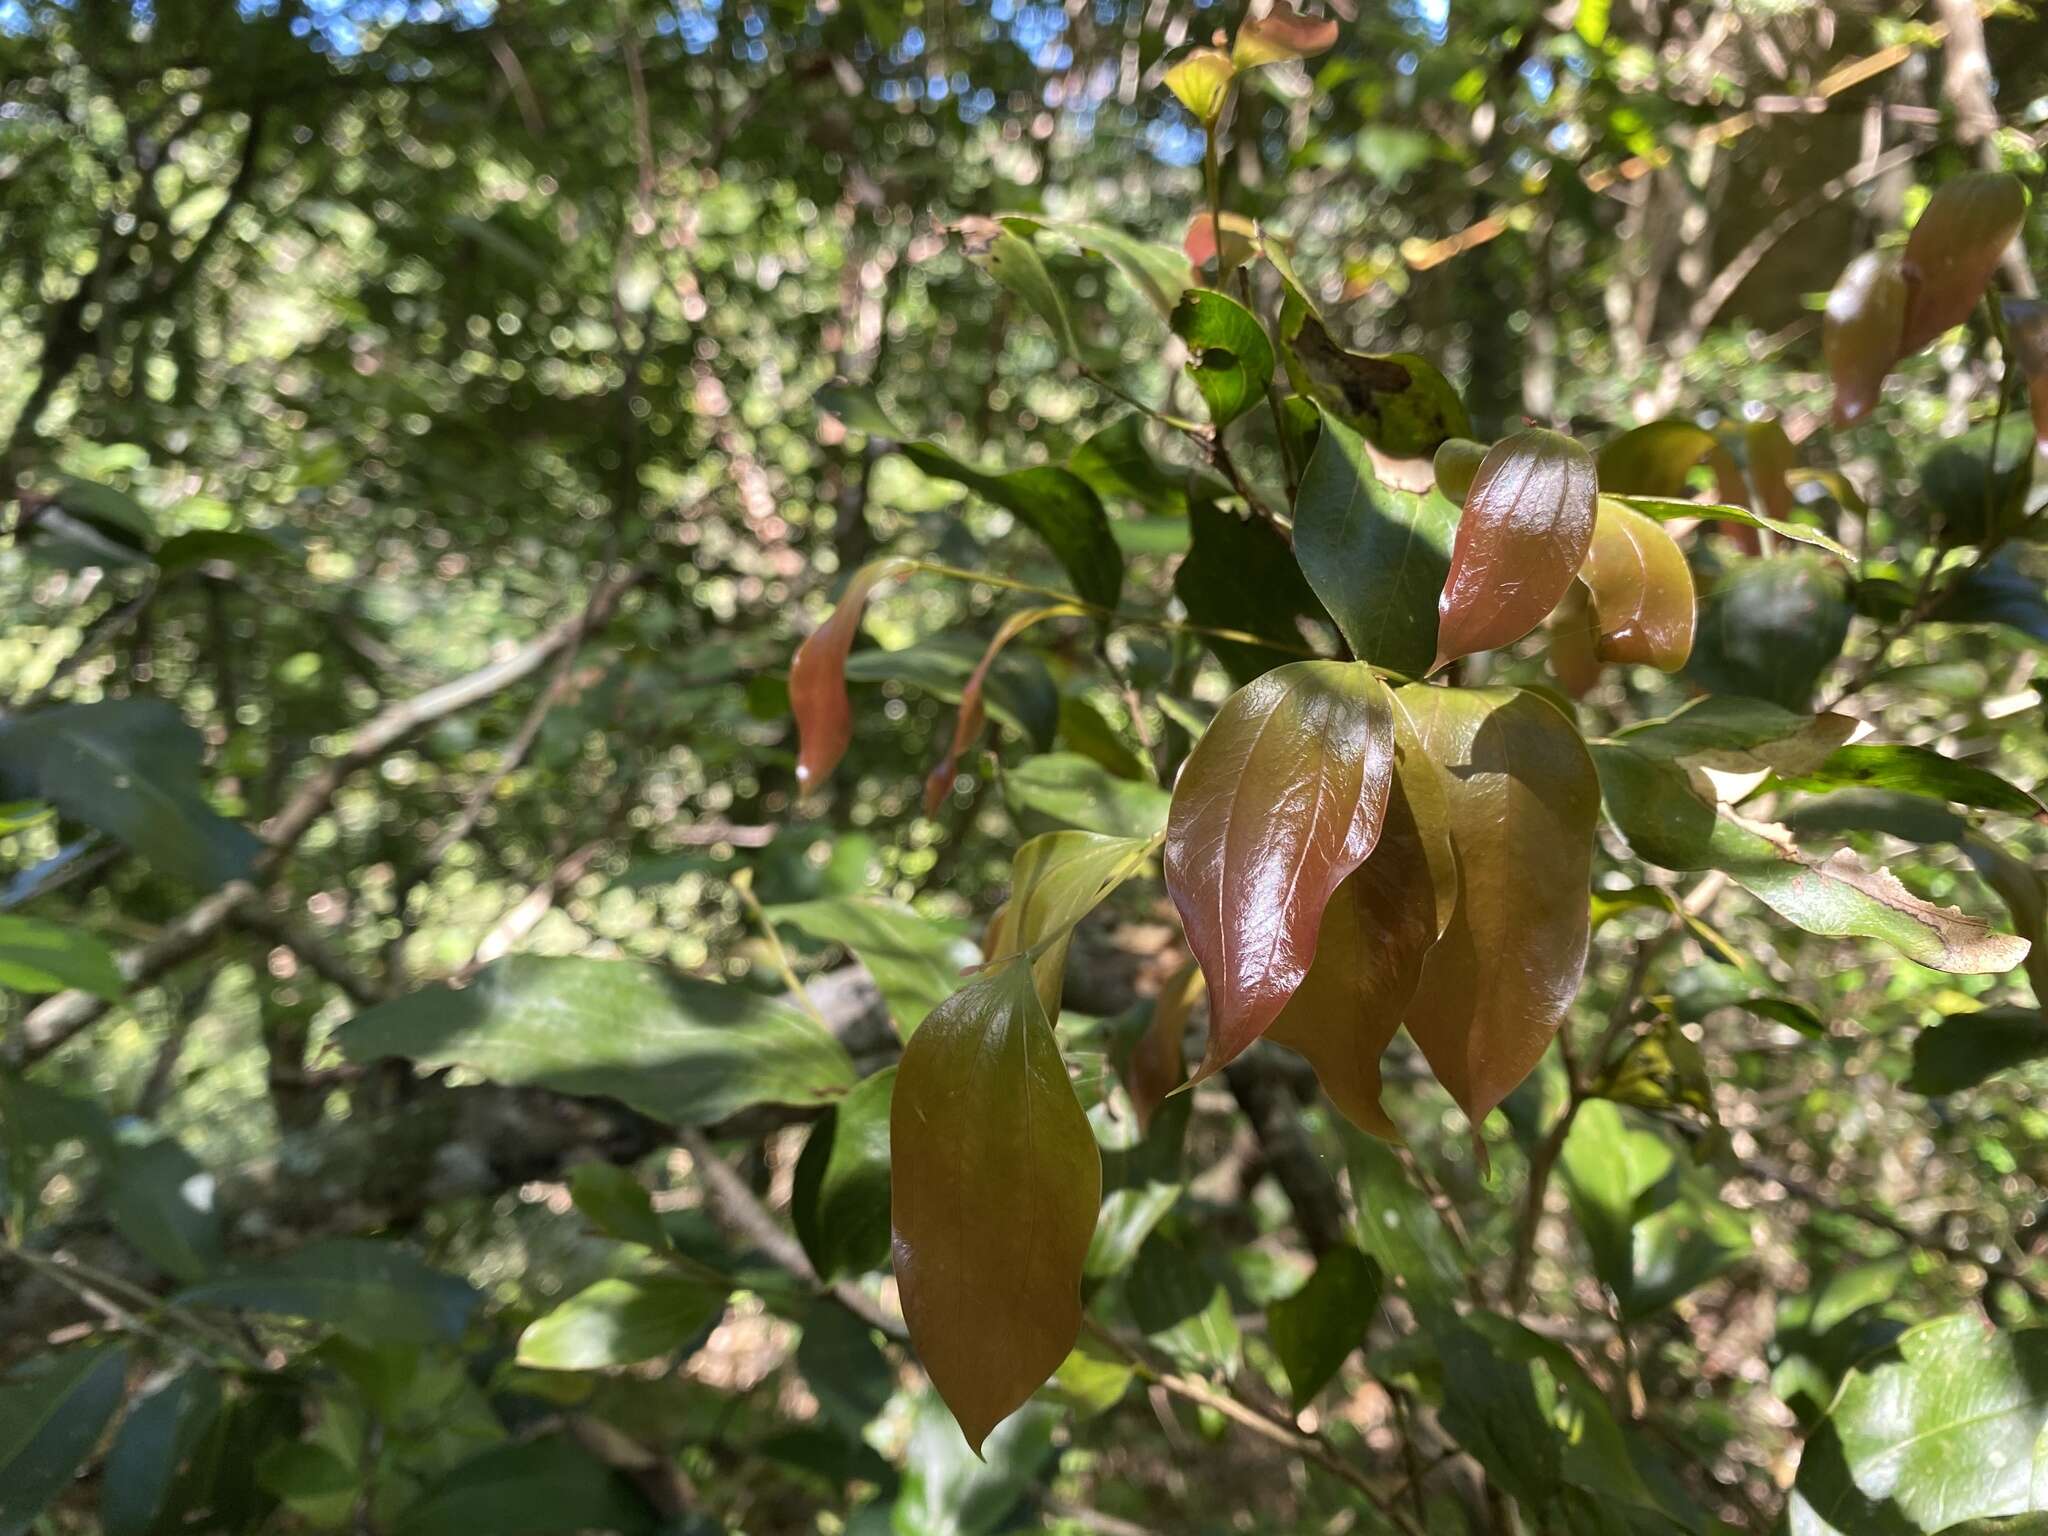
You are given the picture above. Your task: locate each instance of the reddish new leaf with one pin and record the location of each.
(1158, 1063)
(994, 1188)
(1954, 249)
(968, 723)
(1641, 589)
(1376, 932)
(1528, 520)
(1240, 239)
(1523, 799)
(1574, 652)
(817, 679)
(1861, 330)
(1280, 800)
(1284, 33)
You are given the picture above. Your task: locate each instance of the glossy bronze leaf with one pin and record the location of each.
(1954, 249)
(817, 679)
(1527, 523)
(1860, 331)
(1523, 801)
(1158, 1063)
(1574, 651)
(1280, 800)
(994, 1187)
(1376, 932)
(1641, 589)
(967, 724)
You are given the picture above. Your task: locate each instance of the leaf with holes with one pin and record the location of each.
(1230, 357)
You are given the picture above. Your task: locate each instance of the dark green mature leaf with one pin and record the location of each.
(1182, 1308)
(1494, 1412)
(1997, 591)
(1376, 556)
(950, 1491)
(1116, 462)
(237, 546)
(1280, 800)
(38, 956)
(1668, 823)
(1953, 250)
(375, 1292)
(1740, 735)
(617, 1204)
(1086, 731)
(1397, 1226)
(1608, 1166)
(1682, 1246)
(620, 1322)
(1314, 1330)
(162, 1201)
(1944, 1425)
(1975, 488)
(1965, 1049)
(164, 1429)
(851, 1378)
(1230, 356)
(995, 1184)
(915, 960)
(840, 1200)
(1018, 690)
(1240, 575)
(684, 1051)
(1861, 330)
(1522, 538)
(129, 767)
(1769, 629)
(535, 1488)
(1054, 503)
(53, 1408)
(1399, 402)
(312, 1481)
(1919, 771)
(1082, 793)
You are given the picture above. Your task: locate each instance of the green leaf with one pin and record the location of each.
(1971, 501)
(1054, 503)
(915, 960)
(1740, 735)
(995, 1184)
(1129, 1216)
(1314, 1330)
(621, 1322)
(851, 1378)
(536, 1488)
(948, 1490)
(162, 1201)
(1667, 823)
(1182, 1308)
(1159, 272)
(1942, 1426)
(1682, 1246)
(840, 1200)
(1084, 730)
(1014, 262)
(312, 1481)
(1018, 690)
(1918, 771)
(54, 1407)
(1667, 510)
(1240, 575)
(1200, 81)
(683, 1051)
(1398, 401)
(1397, 1226)
(1997, 591)
(1057, 879)
(1609, 1167)
(1116, 462)
(37, 956)
(617, 1204)
(1965, 1049)
(164, 1429)
(238, 546)
(1770, 628)
(1376, 556)
(1082, 793)
(376, 1292)
(129, 767)
(1230, 356)
(1656, 460)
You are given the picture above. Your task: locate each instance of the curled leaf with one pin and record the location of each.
(1057, 879)
(1574, 642)
(1158, 1061)
(1641, 590)
(1860, 331)
(1282, 34)
(1230, 357)
(1953, 250)
(817, 679)
(995, 1183)
(1201, 81)
(1280, 800)
(967, 724)
(1527, 524)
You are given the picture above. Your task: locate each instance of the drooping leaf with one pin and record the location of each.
(1018, 690)
(1081, 793)
(849, 1376)
(1954, 249)
(1054, 503)
(1944, 1425)
(1279, 801)
(620, 1322)
(1522, 802)
(1665, 509)
(1524, 533)
(162, 1201)
(1573, 636)
(1376, 556)
(995, 1183)
(545, 1487)
(967, 726)
(1056, 880)
(1976, 486)
(39, 956)
(1158, 1062)
(1668, 823)
(1314, 1330)
(1641, 589)
(915, 960)
(1376, 932)
(617, 1204)
(1997, 591)
(840, 1197)
(1965, 1049)
(1769, 629)
(53, 1408)
(1230, 357)
(1158, 272)
(374, 1292)
(684, 1051)
(817, 679)
(164, 1429)
(1014, 262)
(131, 768)
(1918, 771)
(1399, 402)
(1240, 575)
(1200, 81)
(1861, 331)
(1282, 33)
